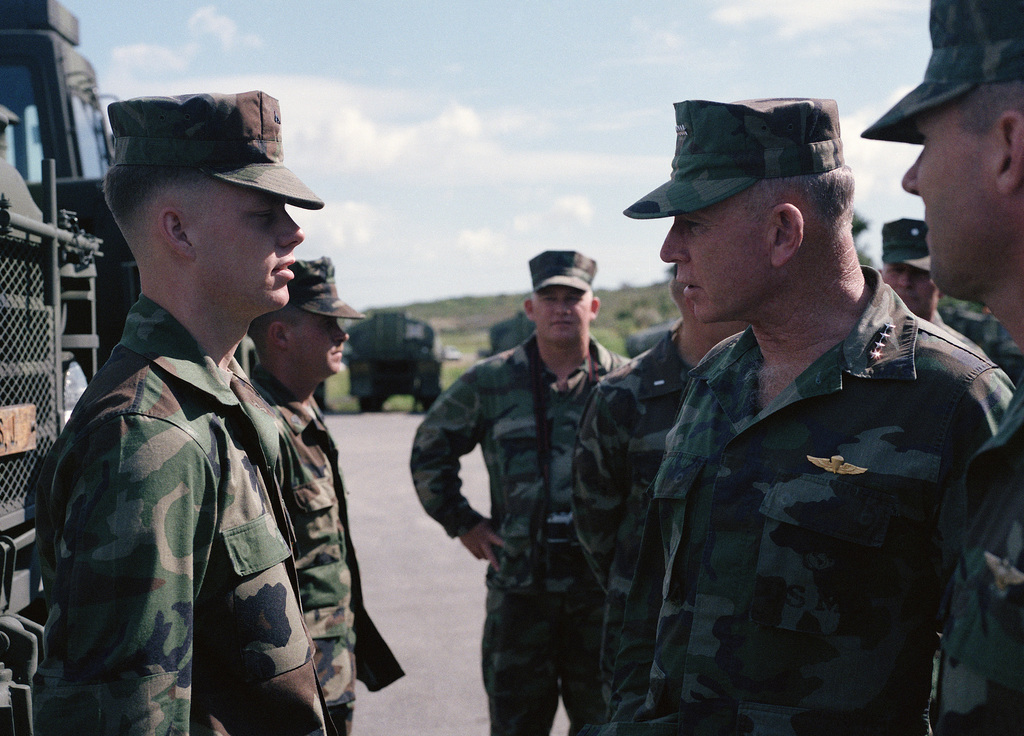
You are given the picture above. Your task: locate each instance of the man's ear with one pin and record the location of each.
(785, 233)
(278, 335)
(172, 231)
(595, 305)
(528, 308)
(1009, 141)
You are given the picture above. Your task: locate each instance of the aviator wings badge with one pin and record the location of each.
(836, 464)
(1003, 571)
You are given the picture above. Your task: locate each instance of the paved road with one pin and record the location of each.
(424, 591)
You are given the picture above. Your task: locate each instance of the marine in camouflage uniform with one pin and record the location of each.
(904, 246)
(618, 451)
(971, 91)
(983, 329)
(544, 606)
(300, 345)
(800, 529)
(163, 539)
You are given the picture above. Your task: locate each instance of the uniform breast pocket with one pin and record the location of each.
(317, 523)
(671, 490)
(821, 567)
(267, 620)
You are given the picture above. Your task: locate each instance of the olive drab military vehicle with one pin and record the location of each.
(52, 93)
(391, 354)
(48, 341)
(508, 333)
(62, 305)
(647, 338)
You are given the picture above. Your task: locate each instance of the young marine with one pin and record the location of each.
(544, 607)
(968, 114)
(164, 544)
(619, 449)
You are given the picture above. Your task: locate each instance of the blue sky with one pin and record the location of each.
(453, 141)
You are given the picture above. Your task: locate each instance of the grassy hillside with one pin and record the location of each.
(464, 324)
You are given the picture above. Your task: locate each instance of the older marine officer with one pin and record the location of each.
(801, 528)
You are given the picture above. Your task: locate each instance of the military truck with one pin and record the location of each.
(648, 337)
(510, 332)
(53, 94)
(48, 349)
(388, 354)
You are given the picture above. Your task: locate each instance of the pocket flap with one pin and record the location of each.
(675, 477)
(255, 546)
(832, 507)
(315, 496)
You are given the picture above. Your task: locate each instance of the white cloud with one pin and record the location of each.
(565, 212)
(797, 17)
(146, 57)
(879, 167)
(481, 243)
(136, 64)
(208, 22)
(339, 226)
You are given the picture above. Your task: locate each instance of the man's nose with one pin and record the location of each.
(910, 178)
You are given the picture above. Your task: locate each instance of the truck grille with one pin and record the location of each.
(27, 368)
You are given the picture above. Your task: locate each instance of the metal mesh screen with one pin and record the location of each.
(27, 365)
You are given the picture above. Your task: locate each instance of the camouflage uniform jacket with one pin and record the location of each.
(982, 686)
(618, 452)
(781, 588)
(329, 584)
(492, 405)
(989, 333)
(173, 603)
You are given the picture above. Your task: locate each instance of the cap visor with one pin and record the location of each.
(273, 179)
(899, 124)
(331, 308)
(678, 198)
(563, 281)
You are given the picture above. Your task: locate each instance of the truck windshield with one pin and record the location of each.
(22, 141)
(92, 147)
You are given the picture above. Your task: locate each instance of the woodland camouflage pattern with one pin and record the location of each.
(544, 606)
(982, 677)
(774, 596)
(988, 333)
(979, 42)
(235, 138)
(171, 594)
(491, 405)
(329, 585)
(973, 42)
(724, 148)
(619, 449)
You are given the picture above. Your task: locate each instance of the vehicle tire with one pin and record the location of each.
(370, 403)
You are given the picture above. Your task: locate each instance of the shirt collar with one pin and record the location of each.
(151, 331)
(880, 345)
(296, 415)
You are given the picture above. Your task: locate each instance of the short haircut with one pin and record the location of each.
(259, 326)
(983, 105)
(127, 189)
(830, 194)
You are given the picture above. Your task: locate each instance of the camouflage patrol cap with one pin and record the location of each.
(903, 241)
(562, 268)
(724, 148)
(233, 138)
(973, 42)
(313, 290)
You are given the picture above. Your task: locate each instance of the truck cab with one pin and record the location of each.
(52, 95)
